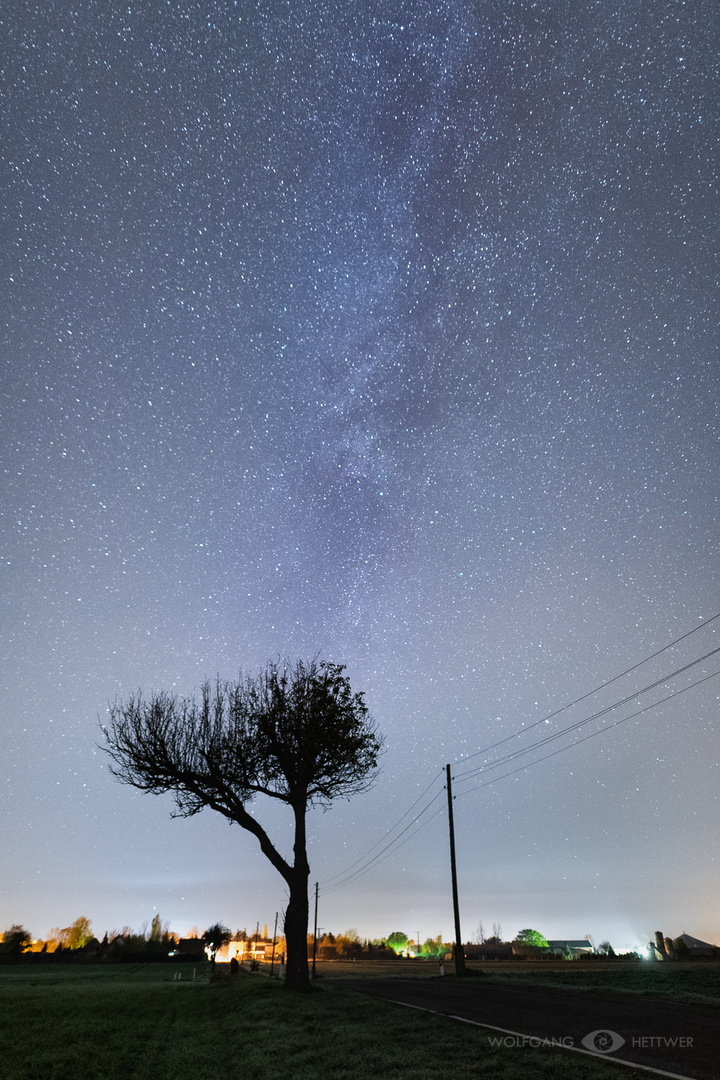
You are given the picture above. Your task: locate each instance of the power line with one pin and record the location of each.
(390, 848)
(584, 697)
(364, 864)
(588, 719)
(389, 831)
(382, 856)
(592, 735)
(394, 844)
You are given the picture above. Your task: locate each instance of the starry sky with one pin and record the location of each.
(385, 331)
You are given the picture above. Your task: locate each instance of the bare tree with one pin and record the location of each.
(298, 735)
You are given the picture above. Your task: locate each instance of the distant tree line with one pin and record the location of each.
(349, 946)
(77, 941)
(158, 943)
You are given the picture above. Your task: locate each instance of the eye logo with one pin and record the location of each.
(603, 1041)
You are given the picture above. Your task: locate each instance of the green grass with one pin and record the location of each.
(692, 982)
(119, 1023)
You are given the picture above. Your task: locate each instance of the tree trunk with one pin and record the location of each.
(297, 914)
(297, 973)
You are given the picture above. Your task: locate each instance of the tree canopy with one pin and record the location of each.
(73, 937)
(532, 937)
(296, 734)
(435, 946)
(397, 941)
(13, 943)
(216, 936)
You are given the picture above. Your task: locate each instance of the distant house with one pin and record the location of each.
(500, 950)
(247, 951)
(573, 946)
(189, 949)
(232, 950)
(696, 949)
(506, 950)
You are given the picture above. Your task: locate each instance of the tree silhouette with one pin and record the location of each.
(298, 735)
(215, 937)
(14, 942)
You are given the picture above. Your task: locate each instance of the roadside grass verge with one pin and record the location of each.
(115, 1023)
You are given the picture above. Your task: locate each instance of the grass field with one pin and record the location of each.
(120, 1022)
(692, 982)
(698, 983)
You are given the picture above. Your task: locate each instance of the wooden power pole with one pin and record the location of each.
(459, 951)
(314, 954)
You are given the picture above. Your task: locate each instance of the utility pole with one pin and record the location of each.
(459, 953)
(272, 958)
(315, 931)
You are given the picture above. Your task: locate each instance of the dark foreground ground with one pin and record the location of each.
(674, 1037)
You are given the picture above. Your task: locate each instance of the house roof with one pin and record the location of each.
(570, 943)
(695, 943)
(190, 946)
(473, 949)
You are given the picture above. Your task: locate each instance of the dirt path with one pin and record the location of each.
(674, 1037)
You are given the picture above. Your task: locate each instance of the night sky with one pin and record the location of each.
(386, 331)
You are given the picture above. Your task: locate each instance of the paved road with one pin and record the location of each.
(665, 1035)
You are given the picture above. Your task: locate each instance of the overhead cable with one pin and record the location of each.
(616, 723)
(583, 697)
(588, 719)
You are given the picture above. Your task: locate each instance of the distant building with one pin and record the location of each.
(500, 950)
(190, 949)
(696, 949)
(573, 946)
(506, 950)
(247, 951)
